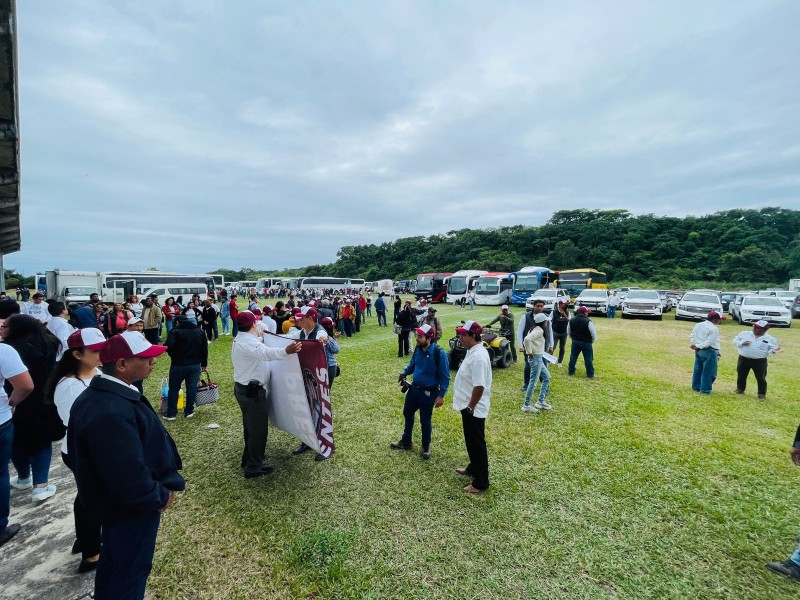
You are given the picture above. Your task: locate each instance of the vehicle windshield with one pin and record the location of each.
(527, 283)
(701, 298)
(487, 286)
(593, 294)
(424, 283)
(763, 301)
(544, 294)
(458, 285)
(642, 295)
(786, 294)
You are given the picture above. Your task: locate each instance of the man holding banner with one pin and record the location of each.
(251, 378)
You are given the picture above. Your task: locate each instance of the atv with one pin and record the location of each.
(494, 340)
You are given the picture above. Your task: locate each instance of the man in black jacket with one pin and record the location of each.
(791, 566)
(187, 346)
(125, 463)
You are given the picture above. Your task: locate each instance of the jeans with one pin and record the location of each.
(226, 325)
(177, 375)
(235, 327)
(705, 370)
(795, 557)
(169, 325)
(214, 329)
(422, 401)
(369, 310)
(381, 317)
(475, 440)
(38, 462)
(612, 312)
(585, 348)
(538, 369)
(6, 439)
(560, 342)
(759, 367)
(126, 558)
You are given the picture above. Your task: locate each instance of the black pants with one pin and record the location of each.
(560, 341)
(348, 326)
(127, 558)
(475, 440)
(759, 367)
(87, 527)
(403, 344)
(381, 317)
(512, 341)
(255, 414)
(151, 335)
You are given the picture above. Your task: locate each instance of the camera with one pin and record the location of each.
(404, 385)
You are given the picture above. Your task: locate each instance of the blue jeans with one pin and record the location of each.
(6, 439)
(585, 348)
(705, 370)
(177, 375)
(226, 325)
(214, 329)
(418, 400)
(795, 557)
(612, 311)
(538, 369)
(38, 462)
(169, 325)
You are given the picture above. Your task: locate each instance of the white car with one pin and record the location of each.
(786, 297)
(595, 300)
(695, 306)
(549, 296)
(642, 303)
(767, 308)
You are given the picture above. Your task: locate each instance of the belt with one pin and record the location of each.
(435, 388)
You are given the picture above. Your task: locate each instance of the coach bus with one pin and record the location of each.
(432, 286)
(141, 282)
(324, 283)
(576, 280)
(356, 284)
(461, 283)
(527, 280)
(493, 289)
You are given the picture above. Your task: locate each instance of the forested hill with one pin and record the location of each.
(738, 246)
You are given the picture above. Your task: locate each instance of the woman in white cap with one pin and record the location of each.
(79, 364)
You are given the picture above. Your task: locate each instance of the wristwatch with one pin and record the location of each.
(470, 410)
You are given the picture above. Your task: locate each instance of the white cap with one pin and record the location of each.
(504, 307)
(762, 324)
(134, 320)
(539, 318)
(426, 330)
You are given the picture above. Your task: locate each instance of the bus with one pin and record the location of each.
(462, 282)
(127, 283)
(270, 283)
(576, 280)
(493, 289)
(356, 284)
(324, 283)
(527, 280)
(432, 286)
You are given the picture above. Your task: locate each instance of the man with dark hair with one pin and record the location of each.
(151, 316)
(380, 310)
(37, 308)
(58, 325)
(583, 334)
(125, 464)
(187, 347)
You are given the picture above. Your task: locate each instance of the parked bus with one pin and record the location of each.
(493, 289)
(324, 283)
(356, 284)
(271, 283)
(527, 280)
(432, 286)
(141, 282)
(462, 282)
(576, 280)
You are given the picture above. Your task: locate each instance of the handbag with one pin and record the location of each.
(398, 329)
(207, 391)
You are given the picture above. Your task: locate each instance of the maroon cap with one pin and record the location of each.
(91, 338)
(245, 320)
(128, 345)
(426, 330)
(306, 311)
(257, 312)
(470, 327)
(582, 310)
(715, 315)
(327, 322)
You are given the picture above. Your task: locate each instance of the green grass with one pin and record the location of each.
(633, 487)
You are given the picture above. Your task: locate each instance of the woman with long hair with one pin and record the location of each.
(116, 320)
(72, 374)
(170, 310)
(36, 423)
(331, 347)
(191, 313)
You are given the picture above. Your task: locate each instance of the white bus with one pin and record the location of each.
(271, 283)
(493, 289)
(324, 283)
(462, 282)
(356, 284)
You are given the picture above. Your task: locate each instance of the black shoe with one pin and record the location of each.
(301, 449)
(87, 565)
(320, 458)
(786, 568)
(76, 547)
(399, 446)
(9, 533)
(264, 471)
(426, 454)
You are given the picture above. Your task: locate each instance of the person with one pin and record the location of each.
(14, 372)
(267, 319)
(534, 353)
(754, 348)
(116, 320)
(613, 303)
(135, 324)
(59, 326)
(188, 349)
(369, 305)
(430, 319)
(705, 343)
(583, 334)
(251, 380)
(225, 315)
(559, 320)
(125, 463)
(37, 308)
(380, 309)
(506, 320)
(331, 349)
(135, 306)
(431, 370)
(209, 315)
(407, 322)
(280, 315)
(72, 375)
(790, 567)
(524, 327)
(36, 423)
(397, 306)
(151, 316)
(347, 317)
(192, 313)
(233, 309)
(471, 299)
(472, 391)
(170, 310)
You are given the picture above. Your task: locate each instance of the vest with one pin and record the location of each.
(559, 322)
(579, 329)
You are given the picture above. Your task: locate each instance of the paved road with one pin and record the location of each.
(37, 563)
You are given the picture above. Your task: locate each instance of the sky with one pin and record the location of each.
(191, 135)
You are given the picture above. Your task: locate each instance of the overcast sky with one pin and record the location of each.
(194, 134)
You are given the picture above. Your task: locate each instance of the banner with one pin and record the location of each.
(299, 392)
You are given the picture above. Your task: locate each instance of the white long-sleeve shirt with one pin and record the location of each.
(60, 328)
(759, 347)
(705, 335)
(249, 357)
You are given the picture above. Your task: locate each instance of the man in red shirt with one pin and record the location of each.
(234, 313)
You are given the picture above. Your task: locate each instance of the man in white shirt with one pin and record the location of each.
(59, 326)
(37, 308)
(472, 392)
(754, 347)
(705, 343)
(267, 319)
(251, 379)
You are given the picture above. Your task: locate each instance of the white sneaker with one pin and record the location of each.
(561, 365)
(42, 494)
(529, 408)
(542, 405)
(21, 484)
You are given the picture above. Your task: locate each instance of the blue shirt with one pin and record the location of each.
(423, 366)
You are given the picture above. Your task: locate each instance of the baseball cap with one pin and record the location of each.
(306, 311)
(539, 318)
(38, 295)
(295, 310)
(504, 307)
(426, 330)
(470, 327)
(257, 312)
(431, 309)
(762, 324)
(268, 308)
(245, 319)
(582, 310)
(91, 338)
(327, 322)
(134, 321)
(715, 315)
(128, 345)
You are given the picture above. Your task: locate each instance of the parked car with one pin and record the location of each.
(549, 296)
(642, 303)
(666, 301)
(767, 308)
(726, 298)
(595, 300)
(786, 296)
(623, 291)
(796, 307)
(695, 306)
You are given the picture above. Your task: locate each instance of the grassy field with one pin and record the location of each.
(632, 487)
